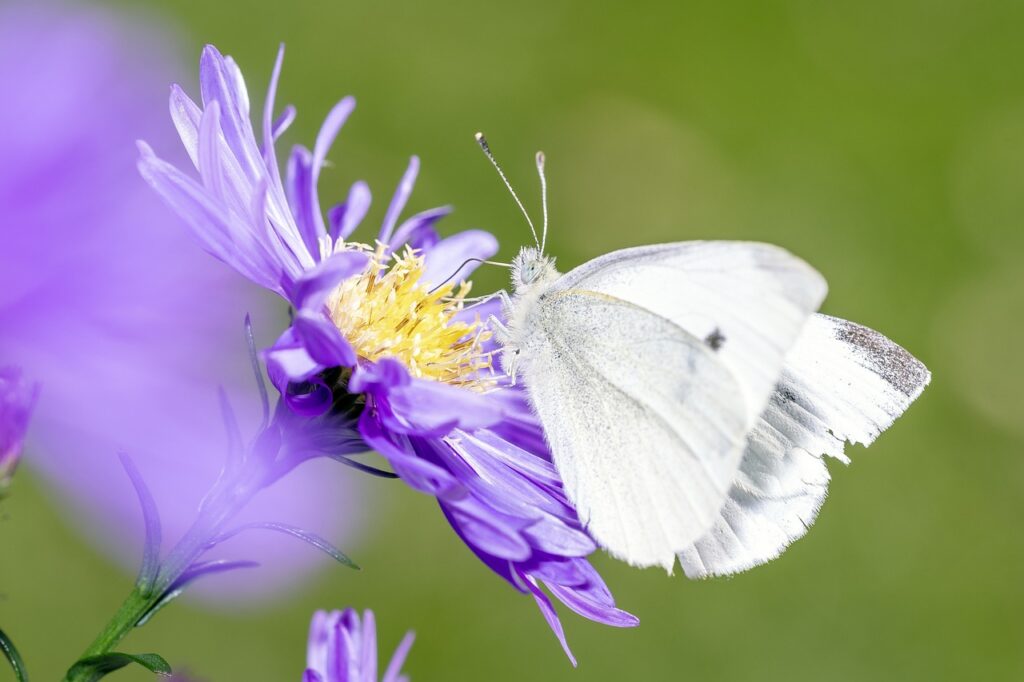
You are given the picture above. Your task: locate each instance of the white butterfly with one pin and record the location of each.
(688, 393)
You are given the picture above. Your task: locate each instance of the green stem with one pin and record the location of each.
(132, 610)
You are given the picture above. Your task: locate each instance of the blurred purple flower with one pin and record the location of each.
(380, 329)
(110, 308)
(17, 398)
(343, 648)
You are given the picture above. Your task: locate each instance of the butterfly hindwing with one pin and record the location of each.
(842, 382)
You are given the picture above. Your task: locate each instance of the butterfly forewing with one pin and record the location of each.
(645, 422)
(747, 300)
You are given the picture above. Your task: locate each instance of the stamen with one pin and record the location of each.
(388, 313)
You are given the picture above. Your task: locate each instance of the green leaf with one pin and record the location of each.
(95, 667)
(13, 657)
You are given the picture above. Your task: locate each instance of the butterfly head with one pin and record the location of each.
(532, 268)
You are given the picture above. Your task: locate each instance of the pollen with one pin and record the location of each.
(387, 312)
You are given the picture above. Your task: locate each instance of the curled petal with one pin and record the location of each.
(322, 340)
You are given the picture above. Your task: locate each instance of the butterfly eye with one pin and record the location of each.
(529, 272)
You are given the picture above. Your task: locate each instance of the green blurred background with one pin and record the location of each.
(881, 141)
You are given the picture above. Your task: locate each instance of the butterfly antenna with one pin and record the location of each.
(482, 141)
(464, 264)
(543, 199)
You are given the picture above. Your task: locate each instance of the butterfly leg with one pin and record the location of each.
(509, 353)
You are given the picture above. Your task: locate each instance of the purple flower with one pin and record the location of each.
(384, 330)
(343, 648)
(17, 398)
(110, 308)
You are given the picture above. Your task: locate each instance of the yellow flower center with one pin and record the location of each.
(388, 313)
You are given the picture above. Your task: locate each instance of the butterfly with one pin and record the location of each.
(690, 391)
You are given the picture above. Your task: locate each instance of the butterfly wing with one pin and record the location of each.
(748, 300)
(842, 382)
(646, 425)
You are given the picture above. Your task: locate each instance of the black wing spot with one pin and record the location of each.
(716, 339)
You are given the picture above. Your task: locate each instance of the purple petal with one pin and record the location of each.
(399, 200)
(345, 218)
(565, 572)
(217, 231)
(319, 637)
(379, 376)
(283, 122)
(311, 289)
(431, 408)
(329, 131)
(269, 154)
(593, 610)
(553, 536)
(447, 259)
(325, 138)
(302, 197)
(186, 115)
(488, 531)
(218, 83)
(411, 230)
(394, 669)
(416, 472)
(289, 361)
(496, 484)
(322, 340)
(368, 650)
(548, 611)
(537, 468)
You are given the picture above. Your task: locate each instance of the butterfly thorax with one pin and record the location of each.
(533, 273)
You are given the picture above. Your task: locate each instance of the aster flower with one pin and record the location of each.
(127, 327)
(17, 398)
(284, 441)
(343, 648)
(381, 328)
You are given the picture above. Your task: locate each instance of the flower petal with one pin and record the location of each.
(186, 115)
(311, 289)
(345, 218)
(548, 611)
(399, 200)
(322, 340)
(489, 532)
(430, 408)
(447, 259)
(593, 610)
(411, 230)
(394, 670)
